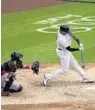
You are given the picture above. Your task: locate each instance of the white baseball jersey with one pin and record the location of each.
(63, 41)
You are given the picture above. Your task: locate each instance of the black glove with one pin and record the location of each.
(35, 67)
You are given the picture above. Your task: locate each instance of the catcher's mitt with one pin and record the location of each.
(35, 67)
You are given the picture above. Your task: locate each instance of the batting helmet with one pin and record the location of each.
(64, 28)
(16, 56)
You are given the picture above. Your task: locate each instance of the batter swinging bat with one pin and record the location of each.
(82, 61)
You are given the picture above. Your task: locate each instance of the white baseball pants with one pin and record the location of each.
(67, 60)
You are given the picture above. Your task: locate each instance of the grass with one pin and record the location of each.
(19, 33)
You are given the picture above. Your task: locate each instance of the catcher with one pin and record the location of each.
(8, 69)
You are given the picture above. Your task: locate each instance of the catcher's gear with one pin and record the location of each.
(7, 84)
(19, 64)
(15, 56)
(64, 28)
(8, 66)
(5, 93)
(35, 67)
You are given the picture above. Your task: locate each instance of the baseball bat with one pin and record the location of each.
(82, 60)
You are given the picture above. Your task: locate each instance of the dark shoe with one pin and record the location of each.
(5, 93)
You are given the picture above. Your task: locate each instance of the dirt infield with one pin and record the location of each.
(65, 92)
(53, 106)
(8, 6)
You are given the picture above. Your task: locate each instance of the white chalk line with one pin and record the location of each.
(91, 88)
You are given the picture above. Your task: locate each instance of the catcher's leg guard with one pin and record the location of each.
(18, 90)
(15, 87)
(5, 89)
(7, 85)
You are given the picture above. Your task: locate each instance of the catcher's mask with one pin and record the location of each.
(16, 56)
(64, 28)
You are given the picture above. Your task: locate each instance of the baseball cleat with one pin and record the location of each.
(86, 80)
(45, 81)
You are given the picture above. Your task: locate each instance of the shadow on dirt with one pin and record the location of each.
(61, 83)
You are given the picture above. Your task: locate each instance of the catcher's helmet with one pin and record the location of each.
(64, 28)
(16, 56)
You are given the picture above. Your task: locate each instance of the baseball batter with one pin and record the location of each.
(64, 38)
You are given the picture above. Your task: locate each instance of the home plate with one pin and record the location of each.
(91, 88)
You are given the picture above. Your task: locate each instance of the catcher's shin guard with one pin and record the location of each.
(7, 84)
(5, 89)
(18, 90)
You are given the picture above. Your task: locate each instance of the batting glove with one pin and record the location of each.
(81, 47)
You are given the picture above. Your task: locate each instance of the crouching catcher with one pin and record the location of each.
(8, 77)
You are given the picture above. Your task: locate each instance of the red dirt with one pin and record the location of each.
(65, 92)
(8, 6)
(53, 106)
